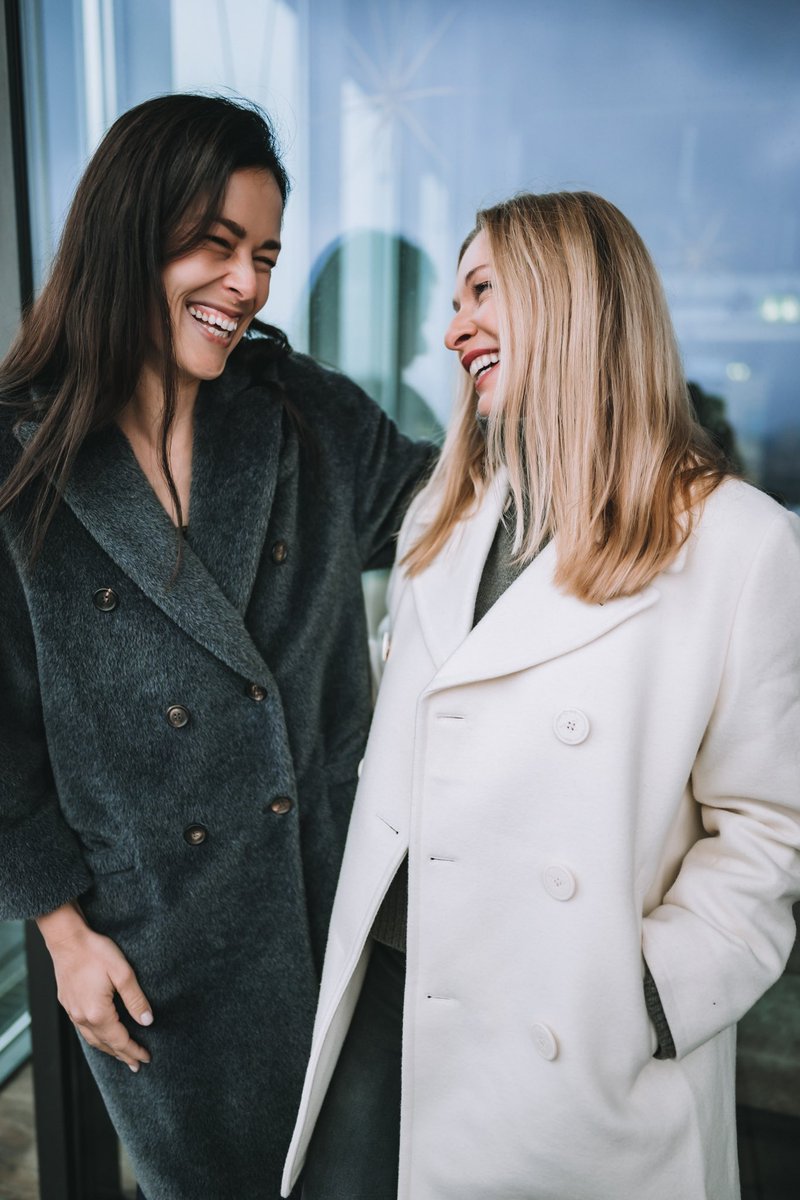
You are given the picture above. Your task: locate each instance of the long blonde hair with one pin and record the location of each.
(592, 418)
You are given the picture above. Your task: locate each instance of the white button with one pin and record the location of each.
(559, 883)
(359, 768)
(386, 645)
(545, 1042)
(571, 726)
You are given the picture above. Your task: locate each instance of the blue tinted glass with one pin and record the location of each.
(401, 119)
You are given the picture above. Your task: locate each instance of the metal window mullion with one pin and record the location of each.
(78, 1152)
(77, 1146)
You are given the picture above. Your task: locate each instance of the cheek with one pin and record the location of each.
(262, 291)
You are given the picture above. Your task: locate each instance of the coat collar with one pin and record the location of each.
(532, 622)
(237, 442)
(237, 451)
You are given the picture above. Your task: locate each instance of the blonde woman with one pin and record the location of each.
(587, 750)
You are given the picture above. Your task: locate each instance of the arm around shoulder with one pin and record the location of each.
(392, 469)
(387, 468)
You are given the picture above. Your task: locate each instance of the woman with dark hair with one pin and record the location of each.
(574, 848)
(185, 510)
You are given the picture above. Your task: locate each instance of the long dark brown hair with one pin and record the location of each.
(151, 191)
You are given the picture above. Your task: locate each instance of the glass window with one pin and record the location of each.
(15, 1038)
(399, 119)
(14, 1019)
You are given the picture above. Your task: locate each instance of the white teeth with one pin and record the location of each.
(481, 363)
(225, 324)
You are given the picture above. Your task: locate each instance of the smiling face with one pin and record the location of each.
(215, 290)
(473, 331)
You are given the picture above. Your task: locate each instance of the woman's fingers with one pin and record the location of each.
(91, 970)
(97, 1020)
(113, 1038)
(131, 995)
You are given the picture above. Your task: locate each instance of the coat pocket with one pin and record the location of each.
(110, 860)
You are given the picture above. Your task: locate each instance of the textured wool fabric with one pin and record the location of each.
(655, 1011)
(225, 928)
(391, 922)
(499, 570)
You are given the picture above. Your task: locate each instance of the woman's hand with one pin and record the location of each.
(90, 969)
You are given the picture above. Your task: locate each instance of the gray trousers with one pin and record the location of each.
(355, 1146)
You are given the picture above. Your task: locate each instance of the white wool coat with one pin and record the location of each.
(580, 788)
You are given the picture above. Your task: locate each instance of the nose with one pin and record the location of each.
(459, 331)
(242, 278)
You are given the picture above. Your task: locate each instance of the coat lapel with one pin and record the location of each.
(237, 443)
(445, 592)
(532, 622)
(237, 447)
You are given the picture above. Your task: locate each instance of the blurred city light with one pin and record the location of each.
(781, 308)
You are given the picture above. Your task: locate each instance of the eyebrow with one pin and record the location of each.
(467, 277)
(239, 231)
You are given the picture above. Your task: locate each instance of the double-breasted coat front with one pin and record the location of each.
(580, 789)
(180, 749)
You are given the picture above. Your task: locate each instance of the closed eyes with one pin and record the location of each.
(224, 244)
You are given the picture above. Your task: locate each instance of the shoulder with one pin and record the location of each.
(10, 441)
(321, 395)
(737, 513)
(421, 512)
(323, 401)
(741, 532)
(9, 419)
(427, 504)
(322, 390)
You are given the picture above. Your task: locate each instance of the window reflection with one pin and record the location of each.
(401, 119)
(15, 1041)
(368, 303)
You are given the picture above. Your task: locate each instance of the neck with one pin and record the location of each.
(140, 421)
(143, 413)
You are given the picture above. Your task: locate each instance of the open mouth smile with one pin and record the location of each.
(215, 324)
(480, 364)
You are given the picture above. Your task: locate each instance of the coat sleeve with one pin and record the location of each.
(391, 468)
(41, 865)
(723, 933)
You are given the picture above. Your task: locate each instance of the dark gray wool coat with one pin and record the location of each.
(208, 850)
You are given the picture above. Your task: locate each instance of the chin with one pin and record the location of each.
(215, 371)
(206, 369)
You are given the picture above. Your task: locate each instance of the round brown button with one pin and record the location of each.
(256, 692)
(195, 835)
(106, 599)
(178, 716)
(281, 805)
(280, 552)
